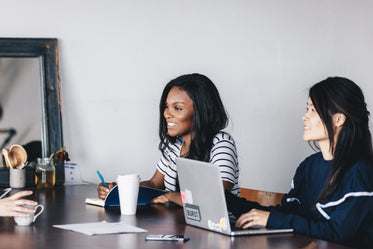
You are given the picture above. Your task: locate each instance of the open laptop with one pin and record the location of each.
(204, 202)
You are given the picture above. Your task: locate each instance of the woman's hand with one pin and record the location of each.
(12, 206)
(174, 197)
(252, 218)
(102, 191)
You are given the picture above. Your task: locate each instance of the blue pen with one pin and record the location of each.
(102, 179)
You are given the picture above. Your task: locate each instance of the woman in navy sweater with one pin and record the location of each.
(331, 194)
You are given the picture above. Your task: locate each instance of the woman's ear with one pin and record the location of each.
(339, 119)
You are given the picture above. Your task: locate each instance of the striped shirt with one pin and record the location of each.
(223, 154)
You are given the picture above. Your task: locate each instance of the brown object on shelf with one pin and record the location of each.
(15, 156)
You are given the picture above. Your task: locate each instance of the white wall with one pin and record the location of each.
(116, 56)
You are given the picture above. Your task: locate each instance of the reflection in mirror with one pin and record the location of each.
(20, 121)
(41, 96)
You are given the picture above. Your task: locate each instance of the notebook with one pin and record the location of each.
(112, 199)
(204, 202)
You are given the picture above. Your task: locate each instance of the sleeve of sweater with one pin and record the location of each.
(289, 203)
(238, 206)
(339, 219)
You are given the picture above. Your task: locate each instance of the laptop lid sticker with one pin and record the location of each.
(192, 212)
(218, 226)
(186, 196)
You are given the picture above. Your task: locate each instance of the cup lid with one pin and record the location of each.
(129, 176)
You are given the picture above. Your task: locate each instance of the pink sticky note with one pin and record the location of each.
(183, 197)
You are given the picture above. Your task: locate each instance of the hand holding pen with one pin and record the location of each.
(103, 188)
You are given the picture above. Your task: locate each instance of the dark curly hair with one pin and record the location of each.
(209, 115)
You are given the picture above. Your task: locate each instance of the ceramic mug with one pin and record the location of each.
(25, 221)
(17, 178)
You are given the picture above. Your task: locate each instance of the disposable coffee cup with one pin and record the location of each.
(31, 217)
(128, 188)
(17, 178)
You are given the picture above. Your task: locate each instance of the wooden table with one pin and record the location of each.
(65, 205)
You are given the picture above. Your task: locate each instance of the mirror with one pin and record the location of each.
(44, 101)
(20, 120)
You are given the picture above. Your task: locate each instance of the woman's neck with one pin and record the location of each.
(325, 150)
(186, 145)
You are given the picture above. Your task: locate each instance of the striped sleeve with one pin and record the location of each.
(224, 155)
(167, 166)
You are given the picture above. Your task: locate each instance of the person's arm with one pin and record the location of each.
(171, 196)
(12, 206)
(224, 155)
(251, 213)
(340, 220)
(345, 217)
(155, 182)
(343, 222)
(227, 185)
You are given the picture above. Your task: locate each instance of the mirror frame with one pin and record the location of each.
(47, 50)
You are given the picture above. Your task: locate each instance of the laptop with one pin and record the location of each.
(204, 202)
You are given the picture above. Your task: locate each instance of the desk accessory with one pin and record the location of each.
(25, 221)
(166, 237)
(102, 179)
(5, 192)
(45, 174)
(15, 159)
(17, 178)
(112, 199)
(59, 158)
(102, 227)
(128, 189)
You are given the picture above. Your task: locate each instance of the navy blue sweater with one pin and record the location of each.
(347, 217)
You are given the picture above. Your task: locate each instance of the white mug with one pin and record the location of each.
(25, 221)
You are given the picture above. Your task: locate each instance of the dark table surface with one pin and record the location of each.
(65, 205)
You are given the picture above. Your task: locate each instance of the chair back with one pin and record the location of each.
(264, 198)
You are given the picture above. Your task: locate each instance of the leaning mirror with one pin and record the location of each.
(30, 106)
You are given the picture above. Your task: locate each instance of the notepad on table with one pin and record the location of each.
(112, 199)
(102, 227)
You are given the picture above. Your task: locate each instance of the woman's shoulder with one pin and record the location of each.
(313, 159)
(222, 136)
(313, 164)
(360, 175)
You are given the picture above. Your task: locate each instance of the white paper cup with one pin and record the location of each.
(128, 188)
(17, 178)
(25, 221)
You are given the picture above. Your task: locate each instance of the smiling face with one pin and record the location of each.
(314, 129)
(178, 113)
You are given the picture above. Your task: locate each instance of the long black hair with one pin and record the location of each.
(340, 95)
(209, 115)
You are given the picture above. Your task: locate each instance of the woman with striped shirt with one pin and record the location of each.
(192, 117)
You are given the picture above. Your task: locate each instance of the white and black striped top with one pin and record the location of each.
(223, 153)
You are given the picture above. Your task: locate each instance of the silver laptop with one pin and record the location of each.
(203, 199)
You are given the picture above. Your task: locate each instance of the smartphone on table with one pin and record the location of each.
(166, 237)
